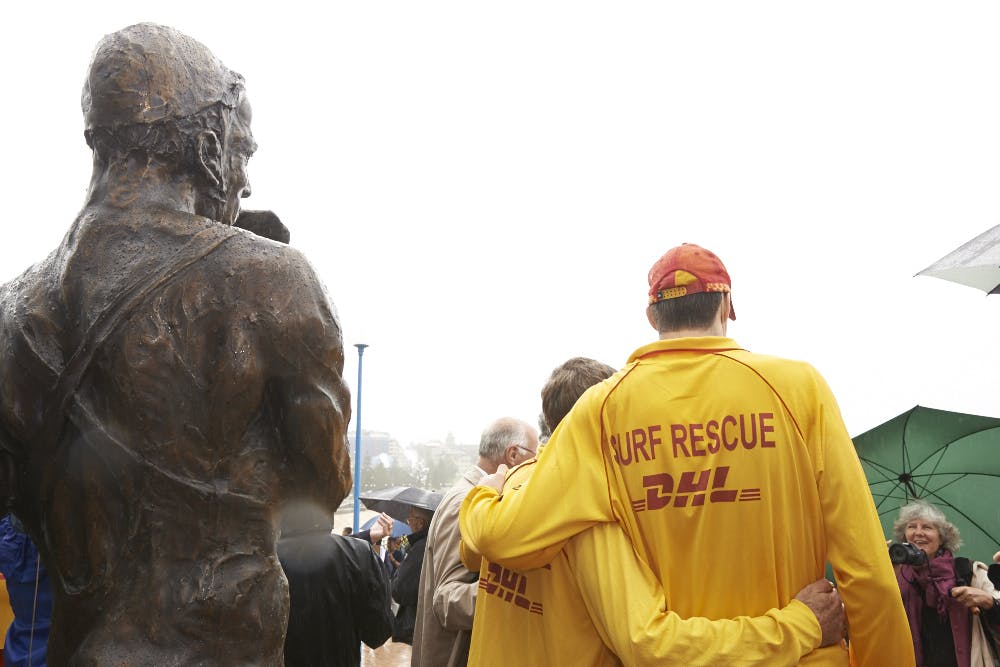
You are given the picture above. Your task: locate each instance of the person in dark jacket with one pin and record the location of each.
(338, 592)
(379, 530)
(406, 582)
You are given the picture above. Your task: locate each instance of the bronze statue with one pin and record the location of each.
(167, 379)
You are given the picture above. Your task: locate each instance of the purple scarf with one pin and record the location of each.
(933, 583)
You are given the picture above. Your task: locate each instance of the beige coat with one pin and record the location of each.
(981, 655)
(447, 589)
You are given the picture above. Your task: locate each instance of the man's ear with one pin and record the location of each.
(510, 456)
(210, 156)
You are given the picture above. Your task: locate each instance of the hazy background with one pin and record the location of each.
(483, 186)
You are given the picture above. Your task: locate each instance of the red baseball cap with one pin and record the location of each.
(688, 269)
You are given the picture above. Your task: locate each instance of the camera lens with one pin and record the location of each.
(904, 553)
(898, 554)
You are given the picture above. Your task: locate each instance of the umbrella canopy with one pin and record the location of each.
(948, 459)
(975, 263)
(397, 501)
(399, 528)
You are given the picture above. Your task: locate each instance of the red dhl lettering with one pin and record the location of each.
(695, 489)
(508, 586)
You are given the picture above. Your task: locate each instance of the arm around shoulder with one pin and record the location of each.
(641, 631)
(546, 501)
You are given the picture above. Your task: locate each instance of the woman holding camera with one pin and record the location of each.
(940, 603)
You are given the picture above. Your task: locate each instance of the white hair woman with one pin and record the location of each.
(939, 600)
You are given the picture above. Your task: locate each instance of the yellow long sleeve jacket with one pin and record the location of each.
(734, 478)
(598, 604)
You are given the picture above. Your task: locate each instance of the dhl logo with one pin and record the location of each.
(694, 489)
(509, 586)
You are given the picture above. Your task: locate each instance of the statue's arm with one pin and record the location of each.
(305, 390)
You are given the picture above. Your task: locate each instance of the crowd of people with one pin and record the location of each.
(612, 537)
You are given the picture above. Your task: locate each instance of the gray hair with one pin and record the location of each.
(919, 509)
(500, 435)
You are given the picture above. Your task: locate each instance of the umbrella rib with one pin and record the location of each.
(930, 475)
(888, 474)
(968, 518)
(888, 496)
(944, 446)
(940, 452)
(906, 452)
(953, 477)
(886, 471)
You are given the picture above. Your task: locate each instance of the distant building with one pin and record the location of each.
(434, 464)
(374, 444)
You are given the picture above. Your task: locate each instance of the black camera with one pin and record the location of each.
(904, 553)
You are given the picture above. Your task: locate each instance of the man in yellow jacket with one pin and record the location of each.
(569, 616)
(598, 604)
(732, 474)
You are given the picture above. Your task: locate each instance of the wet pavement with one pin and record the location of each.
(390, 654)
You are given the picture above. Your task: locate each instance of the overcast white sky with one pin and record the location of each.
(483, 186)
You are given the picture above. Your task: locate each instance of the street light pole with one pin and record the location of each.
(357, 443)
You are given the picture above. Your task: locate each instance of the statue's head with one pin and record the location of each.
(154, 94)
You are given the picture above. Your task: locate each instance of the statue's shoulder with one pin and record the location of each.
(267, 275)
(254, 253)
(223, 247)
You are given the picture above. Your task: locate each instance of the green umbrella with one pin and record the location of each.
(950, 460)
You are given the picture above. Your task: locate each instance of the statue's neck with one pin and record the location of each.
(131, 183)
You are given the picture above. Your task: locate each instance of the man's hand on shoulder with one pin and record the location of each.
(496, 480)
(823, 599)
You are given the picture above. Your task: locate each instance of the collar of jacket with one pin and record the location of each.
(413, 538)
(695, 344)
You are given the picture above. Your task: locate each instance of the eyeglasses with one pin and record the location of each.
(531, 454)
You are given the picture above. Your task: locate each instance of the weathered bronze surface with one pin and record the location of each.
(167, 379)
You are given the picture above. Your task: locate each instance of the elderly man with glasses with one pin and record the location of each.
(447, 589)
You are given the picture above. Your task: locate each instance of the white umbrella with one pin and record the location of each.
(975, 263)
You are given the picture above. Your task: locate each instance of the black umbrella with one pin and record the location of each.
(397, 500)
